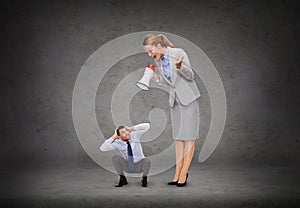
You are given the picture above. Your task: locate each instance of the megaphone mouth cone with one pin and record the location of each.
(142, 86)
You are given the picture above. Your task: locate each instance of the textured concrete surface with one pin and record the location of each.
(208, 186)
(254, 46)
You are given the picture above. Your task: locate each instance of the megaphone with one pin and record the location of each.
(144, 82)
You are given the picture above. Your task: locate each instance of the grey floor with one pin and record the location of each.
(208, 186)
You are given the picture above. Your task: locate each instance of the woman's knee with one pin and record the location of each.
(179, 165)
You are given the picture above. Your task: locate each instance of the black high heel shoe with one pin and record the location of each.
(173, 183)
(183, 184)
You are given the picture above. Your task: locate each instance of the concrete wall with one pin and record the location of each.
(253, 44)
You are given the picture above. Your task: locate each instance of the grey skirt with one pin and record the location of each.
(185, 120)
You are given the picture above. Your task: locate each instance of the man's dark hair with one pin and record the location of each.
(119, 128)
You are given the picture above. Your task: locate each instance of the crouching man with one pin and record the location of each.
(126, 140)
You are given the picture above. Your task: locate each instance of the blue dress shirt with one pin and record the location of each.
(166, 64)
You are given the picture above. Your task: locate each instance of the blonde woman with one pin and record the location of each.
(173, 70)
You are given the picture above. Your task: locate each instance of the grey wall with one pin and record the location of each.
(253, 44)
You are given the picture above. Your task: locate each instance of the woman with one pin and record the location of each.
(175, 72)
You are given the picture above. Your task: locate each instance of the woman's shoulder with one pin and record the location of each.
(177, 51)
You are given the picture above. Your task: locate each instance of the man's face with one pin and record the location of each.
(124, 134)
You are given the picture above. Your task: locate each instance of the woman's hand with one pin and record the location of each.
(155, 78)
(179, 62)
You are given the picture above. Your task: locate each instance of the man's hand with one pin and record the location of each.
(130, 129)
(115, 136)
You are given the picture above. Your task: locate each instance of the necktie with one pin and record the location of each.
(130, 157)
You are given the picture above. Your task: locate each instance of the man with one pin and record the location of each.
(126, 140)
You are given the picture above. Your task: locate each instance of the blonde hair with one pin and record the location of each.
(153, 39)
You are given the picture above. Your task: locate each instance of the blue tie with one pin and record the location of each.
(130, 157)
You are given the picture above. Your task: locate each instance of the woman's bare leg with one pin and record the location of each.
(189, 148)
(179, 158)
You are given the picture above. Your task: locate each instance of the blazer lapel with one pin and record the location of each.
(173, 72)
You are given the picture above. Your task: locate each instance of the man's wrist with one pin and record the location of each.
(129, 128)
(114, 136)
